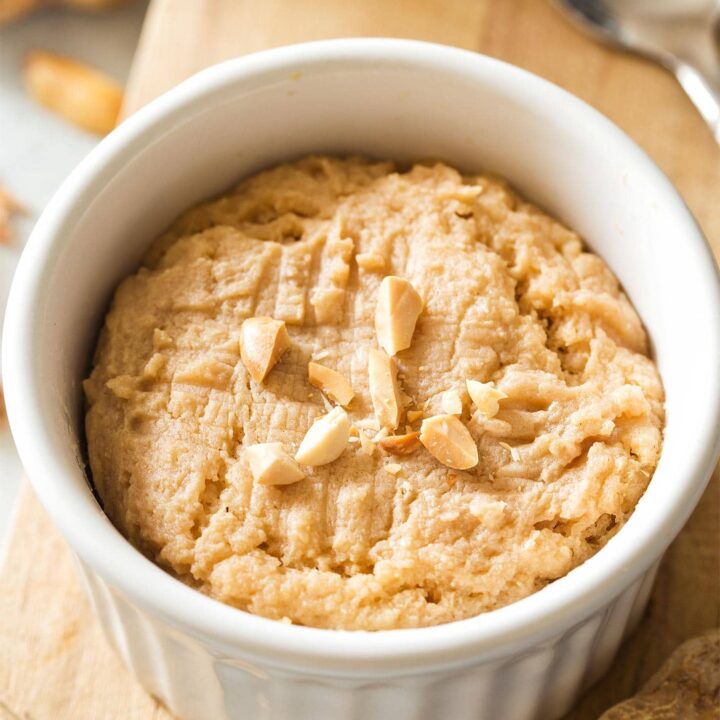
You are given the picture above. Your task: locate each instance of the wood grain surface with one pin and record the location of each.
(54, 663)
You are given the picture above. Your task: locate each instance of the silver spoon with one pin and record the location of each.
(681, 35)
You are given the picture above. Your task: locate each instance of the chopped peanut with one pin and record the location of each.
(486, 397)
(78, 93)
(452, 402)
(366, 444)
(401, 444)
(331, 382)
(448, 440)
(263, 342)
(384, 389)
(326, 439)
(380, 434)
(271, 465)
(398, 308)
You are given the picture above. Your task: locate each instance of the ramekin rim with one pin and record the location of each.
(151, 587)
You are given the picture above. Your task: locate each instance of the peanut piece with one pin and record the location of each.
(398, 308)
(401, 444)
(326, 439)
(271, 465)
(384, 390)
(485, 396)
(366, 444)
(452, 402)
(78, 93)
(449, 441)
(331, 382)
(263, 341)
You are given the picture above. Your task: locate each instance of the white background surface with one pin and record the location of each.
(38, 150)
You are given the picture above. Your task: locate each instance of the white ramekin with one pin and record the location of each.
(393, 99)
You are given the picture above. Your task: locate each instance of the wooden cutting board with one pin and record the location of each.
(54, 663)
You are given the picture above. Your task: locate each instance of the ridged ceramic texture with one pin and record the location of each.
(197, 682)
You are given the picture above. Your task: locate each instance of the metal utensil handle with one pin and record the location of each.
(696, 66)
(702, 92)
